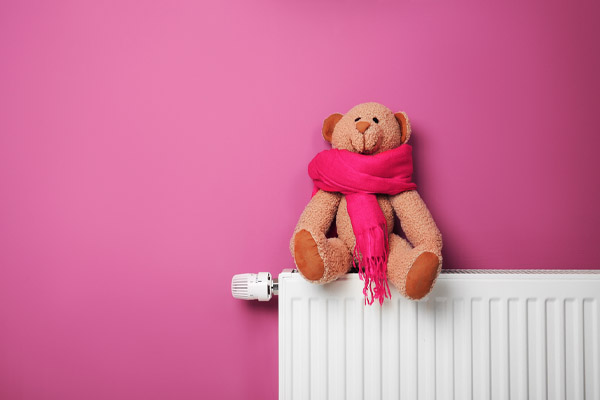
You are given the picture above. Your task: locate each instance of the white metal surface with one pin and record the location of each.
(477, 336)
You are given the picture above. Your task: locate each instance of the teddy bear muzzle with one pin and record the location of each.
(367, 141)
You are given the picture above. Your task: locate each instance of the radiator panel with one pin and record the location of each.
(477, 336)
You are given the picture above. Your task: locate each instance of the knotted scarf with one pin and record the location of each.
(360, 177)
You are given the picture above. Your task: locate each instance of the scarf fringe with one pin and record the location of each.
(372, 263)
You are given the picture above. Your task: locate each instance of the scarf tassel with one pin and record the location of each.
(372, 263)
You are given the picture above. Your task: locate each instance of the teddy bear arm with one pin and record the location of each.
(416, 221)
(413, 268)
(319, 259)
(314, 223)
(319, 212)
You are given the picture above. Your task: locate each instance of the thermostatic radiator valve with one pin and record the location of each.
(259, 286)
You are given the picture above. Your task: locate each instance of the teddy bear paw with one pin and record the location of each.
(307, 257)
(421, 275)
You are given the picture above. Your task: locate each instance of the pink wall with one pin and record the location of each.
(151, 150)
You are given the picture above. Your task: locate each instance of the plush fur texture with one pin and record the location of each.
(415, 262)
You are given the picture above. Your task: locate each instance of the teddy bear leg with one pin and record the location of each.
(322, 260)
(412, 271)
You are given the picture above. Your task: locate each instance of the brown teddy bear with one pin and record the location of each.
(360, 184)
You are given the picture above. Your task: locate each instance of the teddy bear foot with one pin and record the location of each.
(421, 275)
(307, 256)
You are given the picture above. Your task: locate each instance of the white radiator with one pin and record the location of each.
(477, 336)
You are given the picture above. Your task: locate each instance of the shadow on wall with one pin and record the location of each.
(428, 193)
(262, 307)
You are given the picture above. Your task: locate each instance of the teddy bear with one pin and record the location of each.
(359, 185)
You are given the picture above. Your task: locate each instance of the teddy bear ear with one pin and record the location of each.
(404, 125)
(329, 125)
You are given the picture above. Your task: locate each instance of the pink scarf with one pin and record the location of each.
(360, 177)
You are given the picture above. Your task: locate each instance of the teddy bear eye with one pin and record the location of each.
(375, 120)
(357, 119)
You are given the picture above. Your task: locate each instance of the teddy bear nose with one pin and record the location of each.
(362, 126)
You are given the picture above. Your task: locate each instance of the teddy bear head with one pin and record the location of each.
(368, 128)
